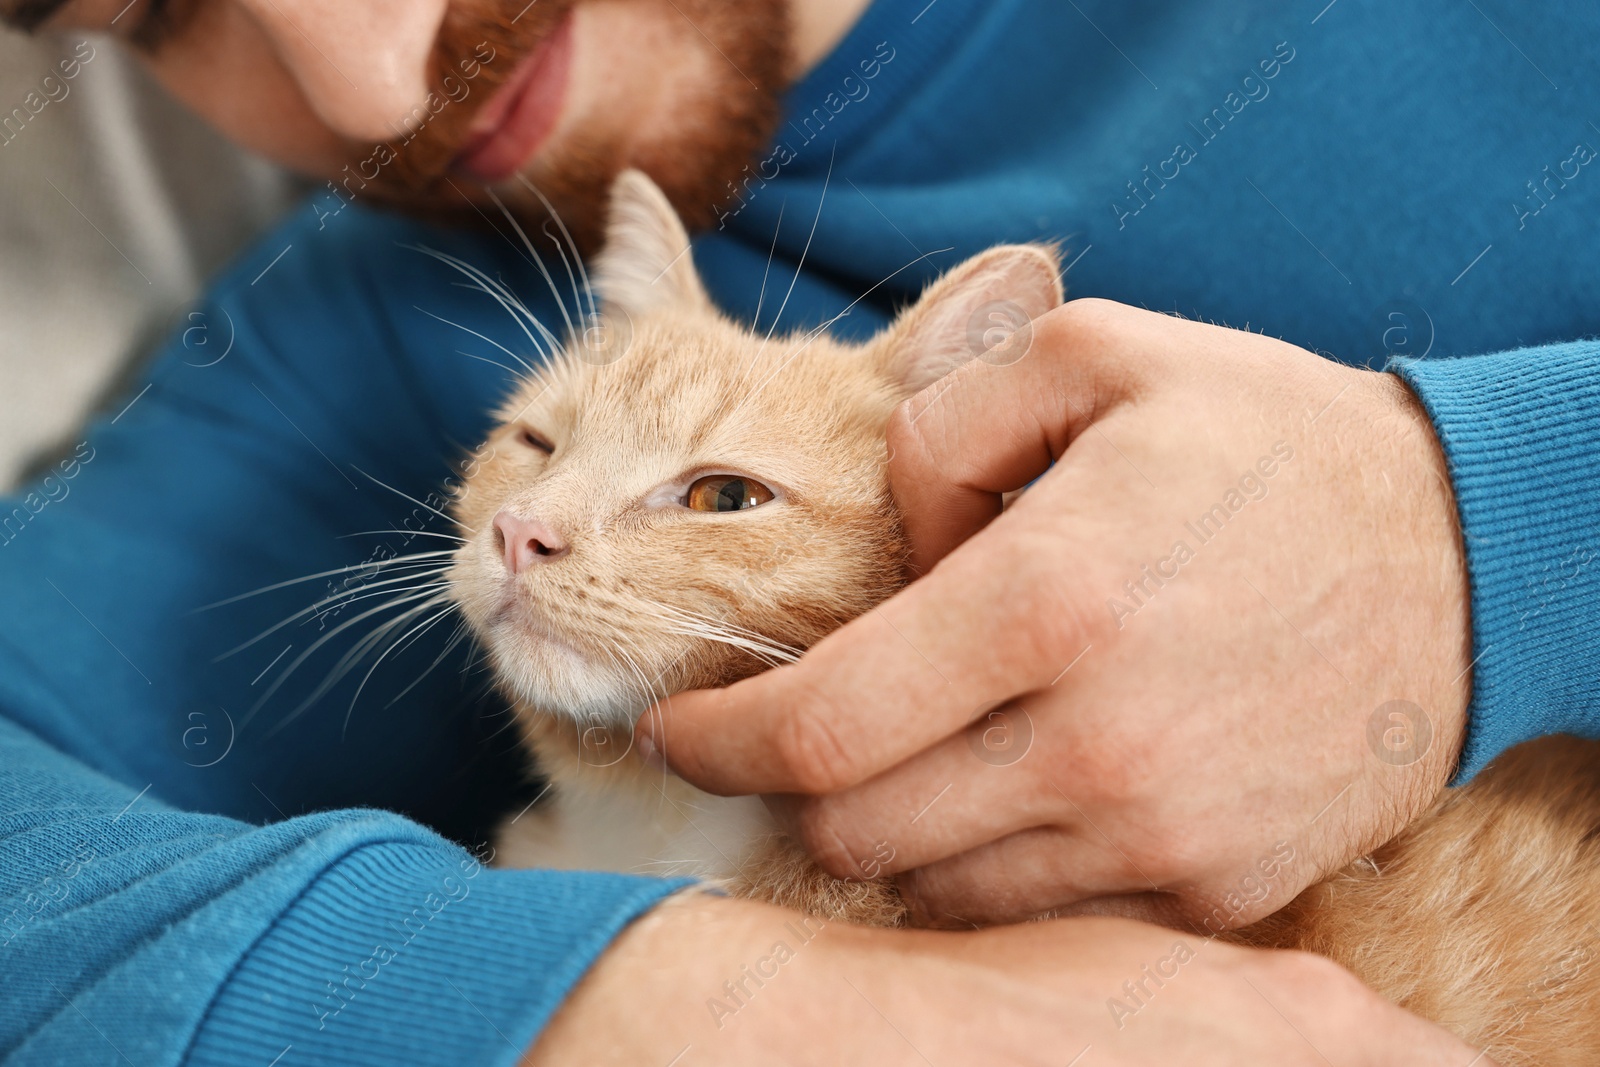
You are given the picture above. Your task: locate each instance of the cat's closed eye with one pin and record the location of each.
(534, 441)
(726, 492)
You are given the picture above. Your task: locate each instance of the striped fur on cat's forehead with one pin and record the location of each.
(666, 388)
(695, 390)
(667, 375)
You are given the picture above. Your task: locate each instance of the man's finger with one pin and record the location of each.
(923, 665)
(886, 686)
(987, 429)
(1018, 878)
(961, 793)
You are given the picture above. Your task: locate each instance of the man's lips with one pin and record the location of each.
(518, 118)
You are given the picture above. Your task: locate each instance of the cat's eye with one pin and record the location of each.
(534, 441)
(726, 492)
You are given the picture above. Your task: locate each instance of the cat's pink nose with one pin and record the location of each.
(526, 542)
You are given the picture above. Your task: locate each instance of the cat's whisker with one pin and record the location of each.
(658, 722)
(620, 658)
(760, 652)
(817, 331)
(619, 655)
(328, 605)
(406, 641)
(649, 690)
(556, 215)
(413, 559)
(467, 329)
(538, 262)
(514, 303)
(761, 297)
(339, 600)
(727, 626)
(813, 334)
(650, 696)
(510, 715)
(400, 644)
(349, 661)
(352, 656)
(513, 306)
(691, 624)
(769, 652)
(407, 597)
(478, 662)
(516, 375)
(821, 200)
(572, 279)
(403, 533)
(418, 503)
(804, 251)
(460, 634)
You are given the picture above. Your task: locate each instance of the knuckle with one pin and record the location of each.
(907, 448)
(902, 430)
(810, 751)
(1091, 311)
(1307, 979)
(1181, 856)
(825, 833)
(1108, 778)
(1037, 591)
(1085, 320)
(1063, 603)
(1112, 338)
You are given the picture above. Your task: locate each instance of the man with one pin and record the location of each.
(1241, 577)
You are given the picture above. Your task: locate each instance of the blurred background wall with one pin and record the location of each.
(115, 206)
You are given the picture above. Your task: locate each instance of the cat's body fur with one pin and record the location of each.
(627, 817)
(1484, 916)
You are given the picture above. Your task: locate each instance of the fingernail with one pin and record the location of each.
(649, 754)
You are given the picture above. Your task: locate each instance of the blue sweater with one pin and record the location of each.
(194, 868)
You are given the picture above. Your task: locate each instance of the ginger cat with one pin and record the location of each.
(674, 502)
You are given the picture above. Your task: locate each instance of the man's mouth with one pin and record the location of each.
(521, 116)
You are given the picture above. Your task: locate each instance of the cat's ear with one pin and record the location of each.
(978, 306)
(646, 264)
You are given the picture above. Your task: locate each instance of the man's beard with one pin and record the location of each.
(725, 123)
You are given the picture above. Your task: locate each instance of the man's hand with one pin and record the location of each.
(1219, 649)
(705, 981)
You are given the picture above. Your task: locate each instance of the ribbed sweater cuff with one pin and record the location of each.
(1521, 432)
(407, 953)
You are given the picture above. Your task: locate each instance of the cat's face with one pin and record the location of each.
(675, 502)
(630, 477)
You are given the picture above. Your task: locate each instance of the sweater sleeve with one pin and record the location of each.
(207, 854)
(133, 932)
(1521, 433)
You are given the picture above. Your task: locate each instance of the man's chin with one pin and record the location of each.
(570, 176)
(528, 199)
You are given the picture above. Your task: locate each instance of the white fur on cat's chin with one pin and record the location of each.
(666, 829)
(559, 680)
